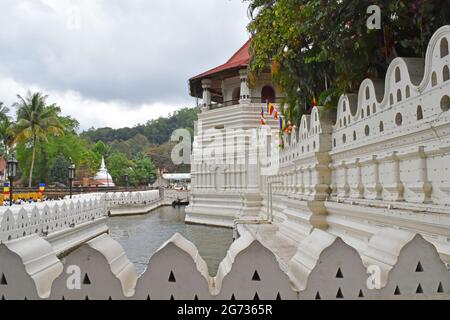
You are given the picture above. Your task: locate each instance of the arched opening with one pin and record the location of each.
(399, 95)
(445, 103)
(398, 77)
(446, 74)
(236, 95)
(444, 48)
(381, 126)
(434, 80)
(398, 119)
(419, 113)
(267, 94)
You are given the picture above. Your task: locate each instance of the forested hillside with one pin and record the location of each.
(151, 139)
(154, 131)
(46, 143)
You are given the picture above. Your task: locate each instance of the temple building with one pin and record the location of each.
(231, 105)
(103, 179)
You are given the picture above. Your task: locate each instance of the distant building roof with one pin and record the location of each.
(239, 60)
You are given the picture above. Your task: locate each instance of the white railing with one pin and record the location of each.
(396, 265)
(381, 160)
(121, 199)
(49, 217)
(52, 216)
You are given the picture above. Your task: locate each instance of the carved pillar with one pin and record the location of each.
(394, 191)
(245, 90)
(343, 187)
(357, 189)
(206, 85)
(374, 189)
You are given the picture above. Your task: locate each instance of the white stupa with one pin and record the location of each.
(103, 178)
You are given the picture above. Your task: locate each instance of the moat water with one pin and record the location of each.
(141, 236)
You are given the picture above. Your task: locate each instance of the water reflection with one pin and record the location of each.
(141, 236)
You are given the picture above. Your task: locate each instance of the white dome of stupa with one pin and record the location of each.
(103, 178)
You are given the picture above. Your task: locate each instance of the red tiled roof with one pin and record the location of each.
(240, 59)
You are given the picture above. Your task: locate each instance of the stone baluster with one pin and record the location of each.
(206, 86)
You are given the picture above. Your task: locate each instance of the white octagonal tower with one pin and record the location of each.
(226, 180)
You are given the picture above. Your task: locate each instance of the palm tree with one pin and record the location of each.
(6, 135)
(3, 111)
(5, 129)
(36, 120)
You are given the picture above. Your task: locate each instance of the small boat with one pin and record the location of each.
(179, 203)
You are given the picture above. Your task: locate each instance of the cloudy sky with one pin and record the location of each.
(114, 63)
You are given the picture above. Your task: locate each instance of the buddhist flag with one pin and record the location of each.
(276, 115)
(270, 107)
(41, 188)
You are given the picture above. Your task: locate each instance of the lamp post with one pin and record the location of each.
(71, 170)
(12, 173)
(126, 176)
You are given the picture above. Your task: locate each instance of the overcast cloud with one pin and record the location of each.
(115, 63)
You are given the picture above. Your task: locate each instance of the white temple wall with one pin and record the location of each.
(395, 265)
(383, 161)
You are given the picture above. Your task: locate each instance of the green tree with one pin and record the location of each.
(101, 148)
(118, 165)
(319, 49)
(36, 121)
(144, 170)
(6, 135)
(59, 170)
(4, 110)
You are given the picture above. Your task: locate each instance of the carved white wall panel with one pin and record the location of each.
(102, 269)
(409, 265)
(28, 267)
(175, 272)
(327, 268)
(250, 271)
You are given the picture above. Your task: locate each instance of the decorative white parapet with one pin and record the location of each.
(49, 218)
(28, 267)
(176, 272)
(120, 199)
(381, 161)
(250, 271)
(99, 270)
(404, 265)
(325, 267)
(409, 265)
